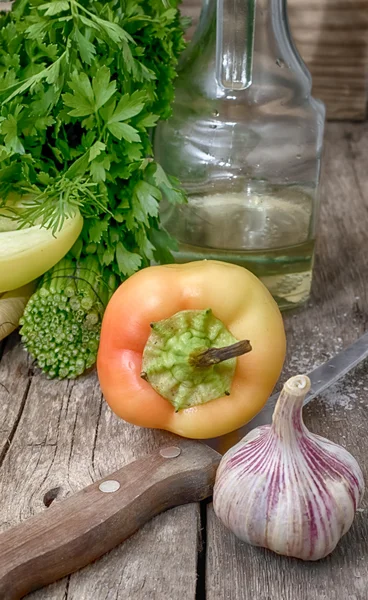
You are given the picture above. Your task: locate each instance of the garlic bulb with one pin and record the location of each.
(286, 489)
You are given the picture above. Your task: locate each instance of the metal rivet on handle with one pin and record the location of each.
(109, 486)
(170, 452)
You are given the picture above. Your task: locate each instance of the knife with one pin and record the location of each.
(321, 378)
(76, 531)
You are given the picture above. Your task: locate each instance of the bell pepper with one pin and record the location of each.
(193, 348)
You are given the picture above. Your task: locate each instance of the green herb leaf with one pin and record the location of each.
(158, 174)
(102, 87)
(99, 167)
(96, 149)
(5, 153)
(123, 130)
(86, 49)
(148, 197)
(82, 100)
(148, 121)
(55, 7)
(163, 243)
(108, 256)
(128, 107)
(79, 167)
(113, 31)
(38, 30)
(128, 262)
(96, 230)
(9, 129)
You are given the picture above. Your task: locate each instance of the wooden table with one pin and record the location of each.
(57, 437)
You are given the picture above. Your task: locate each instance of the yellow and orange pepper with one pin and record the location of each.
(195, 348)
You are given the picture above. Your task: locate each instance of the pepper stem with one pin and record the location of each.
(213, 356)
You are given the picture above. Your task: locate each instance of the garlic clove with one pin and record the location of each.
(287, 489)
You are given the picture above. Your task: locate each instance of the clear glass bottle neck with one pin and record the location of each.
(223, 42)
(275, 9)
(270, 17)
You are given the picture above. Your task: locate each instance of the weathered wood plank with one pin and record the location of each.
(67, 438)
(158, 562)
(15, 377)
(336, 315)
(332, 38)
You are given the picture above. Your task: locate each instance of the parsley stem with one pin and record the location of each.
(102, 22)
(75, 13)
(27, 83)
(98, 122)
(85, 10)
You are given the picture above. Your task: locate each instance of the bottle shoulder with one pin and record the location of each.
(278, 77)
(267, 98)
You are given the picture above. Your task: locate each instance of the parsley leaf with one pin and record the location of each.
(102, 87)
(9, 129)
(82, 99)
(148, 197)
(128, 262)
(55, 7)
(96, 150)
(86, 49)
(128, 107)
(123, 130)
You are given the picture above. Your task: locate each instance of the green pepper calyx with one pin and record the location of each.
(190, 358)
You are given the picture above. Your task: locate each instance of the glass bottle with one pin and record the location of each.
(245, 141)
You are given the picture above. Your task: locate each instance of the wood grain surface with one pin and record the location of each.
(57, 437)
(332, 38)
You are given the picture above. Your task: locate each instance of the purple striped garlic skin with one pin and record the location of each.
(286, 489)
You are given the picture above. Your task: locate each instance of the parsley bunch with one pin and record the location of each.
(82, 84)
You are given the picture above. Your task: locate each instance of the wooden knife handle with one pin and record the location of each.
(78, 530)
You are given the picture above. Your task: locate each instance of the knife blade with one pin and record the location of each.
(324, 376)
